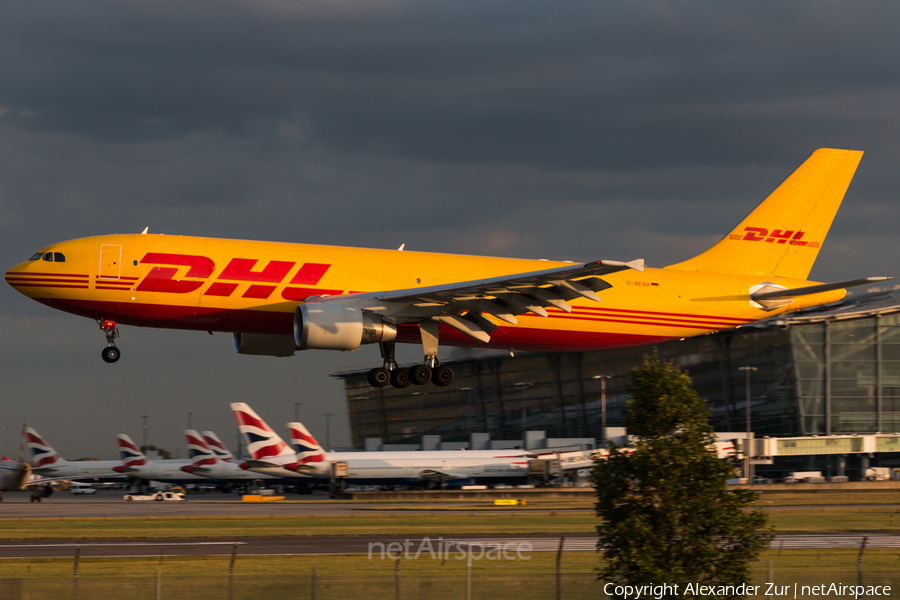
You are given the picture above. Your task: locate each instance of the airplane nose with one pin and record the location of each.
(15, 274)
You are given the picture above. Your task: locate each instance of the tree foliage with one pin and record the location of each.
(667, 513)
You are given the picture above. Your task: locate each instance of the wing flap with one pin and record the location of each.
(463, 305)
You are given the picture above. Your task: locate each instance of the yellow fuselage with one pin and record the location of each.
(244, 286)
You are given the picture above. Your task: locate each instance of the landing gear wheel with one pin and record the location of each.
(111, 354)
(420, 374)
(400, 378)
(442, 376)
(379, 377)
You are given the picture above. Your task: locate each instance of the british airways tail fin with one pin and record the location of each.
(37, 452)
(130, 454)
(307, 448)
(263, 444)
(199, 453)
(216, 445)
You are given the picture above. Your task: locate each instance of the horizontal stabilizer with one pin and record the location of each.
(815, 289)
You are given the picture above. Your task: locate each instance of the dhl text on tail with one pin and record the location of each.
(277, 298)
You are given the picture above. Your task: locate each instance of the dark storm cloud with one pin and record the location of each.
(579, 130)
(580, 86)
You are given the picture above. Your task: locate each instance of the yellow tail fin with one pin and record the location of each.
(782, 236)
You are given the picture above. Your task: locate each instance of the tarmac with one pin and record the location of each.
(376, 547)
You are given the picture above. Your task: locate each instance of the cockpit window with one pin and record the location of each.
(59, 257)
(37, 256)
(48, 257)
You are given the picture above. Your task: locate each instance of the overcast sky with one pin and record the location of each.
(562, 130)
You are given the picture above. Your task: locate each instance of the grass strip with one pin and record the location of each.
(818, 520)
(434, 577)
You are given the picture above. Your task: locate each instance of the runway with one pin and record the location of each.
(109, 503)
(376, 545)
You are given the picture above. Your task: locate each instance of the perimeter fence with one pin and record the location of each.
(546, 575)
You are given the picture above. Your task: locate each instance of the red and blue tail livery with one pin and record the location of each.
(263, 444)
(307, 448)
(218, 448)
(200, 454)
(38, 453)
(130, 454)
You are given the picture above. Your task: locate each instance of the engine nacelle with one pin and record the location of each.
(264, 345)
(329, 326)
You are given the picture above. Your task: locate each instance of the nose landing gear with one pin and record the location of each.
(110, 354)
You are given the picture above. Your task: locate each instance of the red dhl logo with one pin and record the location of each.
(777, 236)
(162, 277)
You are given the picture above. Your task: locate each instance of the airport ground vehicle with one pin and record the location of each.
(278, 298)
(877, 474)
(804, 477)
(82, 490)
(156, 496)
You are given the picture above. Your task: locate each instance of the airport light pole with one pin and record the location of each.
(524, 385)
(327, 430)
(602, 379)
(747, 466)
(145, 416)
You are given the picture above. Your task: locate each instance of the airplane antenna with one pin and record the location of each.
(144, 232)
(402, 246)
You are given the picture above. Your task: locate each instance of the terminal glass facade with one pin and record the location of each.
(812, 378)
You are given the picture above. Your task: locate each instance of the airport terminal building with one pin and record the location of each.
(825, 371)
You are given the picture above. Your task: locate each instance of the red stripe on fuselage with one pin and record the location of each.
(49, 285)
(36, 274)
(649, 319)
(12, 279)
(651, 313)
(634, 322)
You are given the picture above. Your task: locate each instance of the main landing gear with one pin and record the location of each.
(110, 354)
(391, 373)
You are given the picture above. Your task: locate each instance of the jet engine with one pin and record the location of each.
(264, 345)
(330, 326)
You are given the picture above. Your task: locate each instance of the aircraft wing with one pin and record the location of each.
(461, 305)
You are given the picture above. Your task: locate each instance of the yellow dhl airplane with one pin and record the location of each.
(277, 298)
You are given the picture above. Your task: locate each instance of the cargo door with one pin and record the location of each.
(110, 261)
